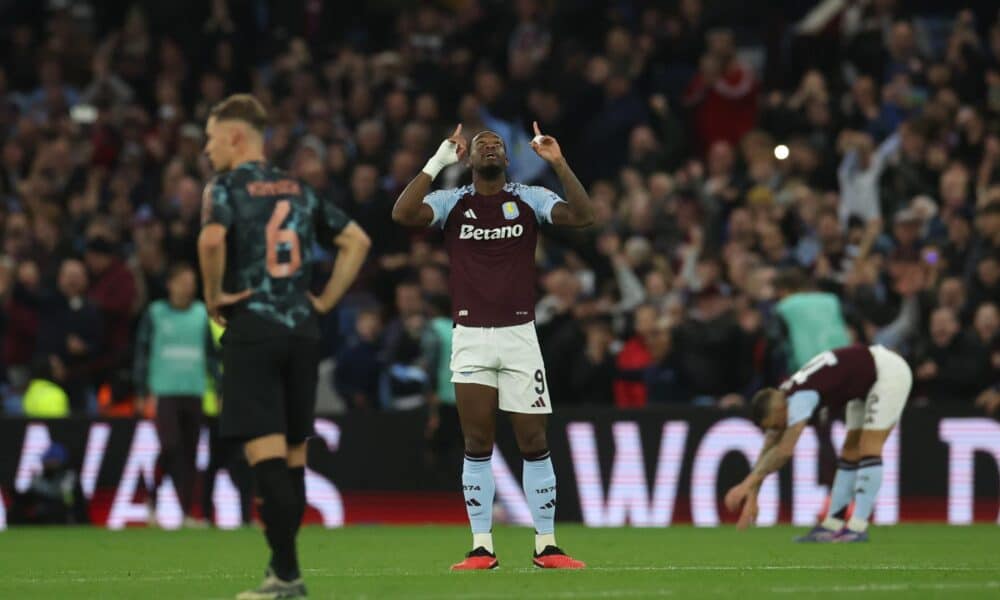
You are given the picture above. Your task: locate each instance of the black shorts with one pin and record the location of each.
(268, 381)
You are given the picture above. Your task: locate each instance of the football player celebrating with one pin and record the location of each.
(490, 232)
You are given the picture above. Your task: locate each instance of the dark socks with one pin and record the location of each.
(298, 477)
(278, 507)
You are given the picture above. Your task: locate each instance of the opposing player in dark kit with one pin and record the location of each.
(259, 228)
(871, 385)
(490, 232)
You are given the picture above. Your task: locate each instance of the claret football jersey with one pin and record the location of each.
(830, 379)
(491, 241)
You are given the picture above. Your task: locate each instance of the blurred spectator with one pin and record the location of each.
(54, 496)
(369, 206)
(987, 333)
(859, 173)
(174, 355)
(407, 377)
(951, 295)
(712, 352)
(183, 223)
(985, 283)
(986, 324)
(957, 248)
(70, 335)
(630, 388)
(949, 367)
(443, 430)
(605, 135)
(356, 377)
(22, 320)
(665, 377)
(592, 375)
(113, 292)
(559, 331)
(723, 94)
(808, 321)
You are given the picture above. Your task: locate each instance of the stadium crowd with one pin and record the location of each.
(856, 154)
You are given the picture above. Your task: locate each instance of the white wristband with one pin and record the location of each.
(432, 168)
(446, 155)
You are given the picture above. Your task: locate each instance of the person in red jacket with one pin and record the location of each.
(113, 292)
(21, 307)
(723, 94)
(630, 389)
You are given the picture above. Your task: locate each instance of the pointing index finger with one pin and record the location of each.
(458, 131)
(537, 130)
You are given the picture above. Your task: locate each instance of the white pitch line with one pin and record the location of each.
(889, 587)
(178, 575)
(792, 568)
(611, 593)
(126, 578)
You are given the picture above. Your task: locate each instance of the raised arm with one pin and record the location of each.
(886, 149)
(410, 209)
(576, 211)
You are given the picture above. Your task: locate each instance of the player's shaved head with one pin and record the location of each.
(765, 406)
(488, 133)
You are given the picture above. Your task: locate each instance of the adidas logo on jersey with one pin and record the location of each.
(538, 404)
(471, 232)
(470, 214)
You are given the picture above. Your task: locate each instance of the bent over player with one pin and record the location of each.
(490, 231)
(871, 385)
(259, 229)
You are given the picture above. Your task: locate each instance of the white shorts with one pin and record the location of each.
(506, 358)
(887, 398)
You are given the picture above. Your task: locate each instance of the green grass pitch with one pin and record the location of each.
(912, 561)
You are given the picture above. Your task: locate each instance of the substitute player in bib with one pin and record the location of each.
(871, 385)
(260, 226)
(490, 231)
